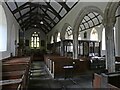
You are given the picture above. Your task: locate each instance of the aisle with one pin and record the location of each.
(41, 79)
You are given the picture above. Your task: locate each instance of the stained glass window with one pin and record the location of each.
(35, 40)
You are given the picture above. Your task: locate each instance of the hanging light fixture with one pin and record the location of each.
(41, 22)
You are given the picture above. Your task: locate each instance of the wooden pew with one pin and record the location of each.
(15, 75)
(117, 63)
(80, 66)
(56, 63)
(109, 80)
(13, 69)
(14, 84)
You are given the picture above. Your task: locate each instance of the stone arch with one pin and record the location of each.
(62, 33)
(81, 15)
(110, 11)
(78, 21)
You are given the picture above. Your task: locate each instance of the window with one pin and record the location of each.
(3, 30)
(94, 35)
(52, 39)
(58, 37)
(68, 33)
(35, 40)
(79, 36)
(103, 40)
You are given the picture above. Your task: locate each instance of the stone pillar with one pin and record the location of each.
(118, 35)
(110, 48)
(62, 48)
(75, 45)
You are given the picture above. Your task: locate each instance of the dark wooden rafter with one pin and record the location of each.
(36, 21)
(18, 10)
(28, 20)
(48, 17)
(42, 19)
(54, 11)
(11, 10)
(38, 27)
(64, 5)
(38, 5)
(34, 16)
(33, 13)
(31, 24)
(26, 13)
(45, 7)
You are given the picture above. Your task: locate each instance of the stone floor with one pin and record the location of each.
(41, 79)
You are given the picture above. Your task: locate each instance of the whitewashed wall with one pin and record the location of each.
(12, 29)
(71, 16)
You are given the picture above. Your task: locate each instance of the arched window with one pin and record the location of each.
(79, 37)
(94, 35)
(3, 30)
(103, 40)
(35, 40)
(68, 33)
(58, 37)
(52, 39)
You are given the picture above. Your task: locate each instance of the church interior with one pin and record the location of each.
(59, 44)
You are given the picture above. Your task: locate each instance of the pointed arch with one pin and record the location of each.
(68, 33)
(63, 31)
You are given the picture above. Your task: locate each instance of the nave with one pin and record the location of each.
(40, 78)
